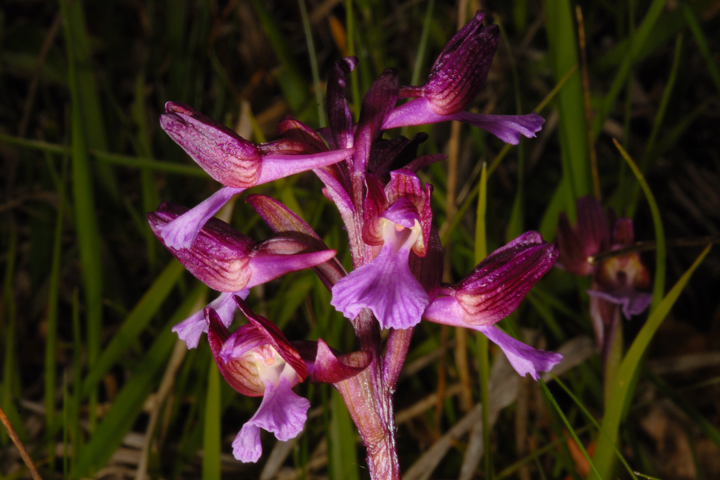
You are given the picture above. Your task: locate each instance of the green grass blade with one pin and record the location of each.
(605, 451)
(83, 196)
(659, 282)
(319, 98)
(292, 83)
(110, 158)
(211, 426)
(480, 225)
(639, 39)
(589, 416)
(86, 97)
(696, 29)
(129, 403)
(134, 324)
(568, 425)
(150, 197)
(342, 451)
(8, 319)
(52, 308)
(575, 152)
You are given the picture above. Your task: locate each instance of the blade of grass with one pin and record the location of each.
(211, 426)
(604, 453)
(322, 118)
(659, 282)
(86, 97)
(83, 195)
(134, 324)
(589, 416)
(129, 403)
(150, 197)
(343, 461)
(639, 39)
(8, 321)
(291, 82)
(483, 345)
(76, 447)
(702, 43)
(568, 425)
(563, 48)
(52, 311)
(110, 158)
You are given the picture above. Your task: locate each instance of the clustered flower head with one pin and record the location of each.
(617, 281)
(396, 253)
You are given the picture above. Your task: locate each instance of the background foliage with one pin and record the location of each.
(95, 383)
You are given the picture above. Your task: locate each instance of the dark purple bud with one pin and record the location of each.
(462, 67)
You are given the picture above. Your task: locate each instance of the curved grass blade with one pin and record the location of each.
(134, 324)
(604, 453)
(129, 402)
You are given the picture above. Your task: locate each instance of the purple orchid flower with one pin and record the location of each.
(257, 360)
(398, 219)
(456, 78)
(234, 162)
(230, 262)
(615, 280)
(492, 291)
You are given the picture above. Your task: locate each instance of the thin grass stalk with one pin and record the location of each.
(211, 426)
(586, 101)
(483, 345)
(702, 43)
(594, 422)
(659, 282)
(319, 98)
(568, 425)
(19, 445)
(639, 40)
(52, 313)
(8, 318)
(354, 76)
(77, 396)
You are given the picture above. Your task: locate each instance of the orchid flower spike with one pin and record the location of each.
(615, 280)
(234, 162)
(456, 78)
(230, 262)
(492, 291)
(399, 220)
(257, 360)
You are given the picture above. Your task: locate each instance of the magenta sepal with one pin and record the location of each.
(632, 302)
(522, 357)
(446, 310)
(324, 365)
(508, 128)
